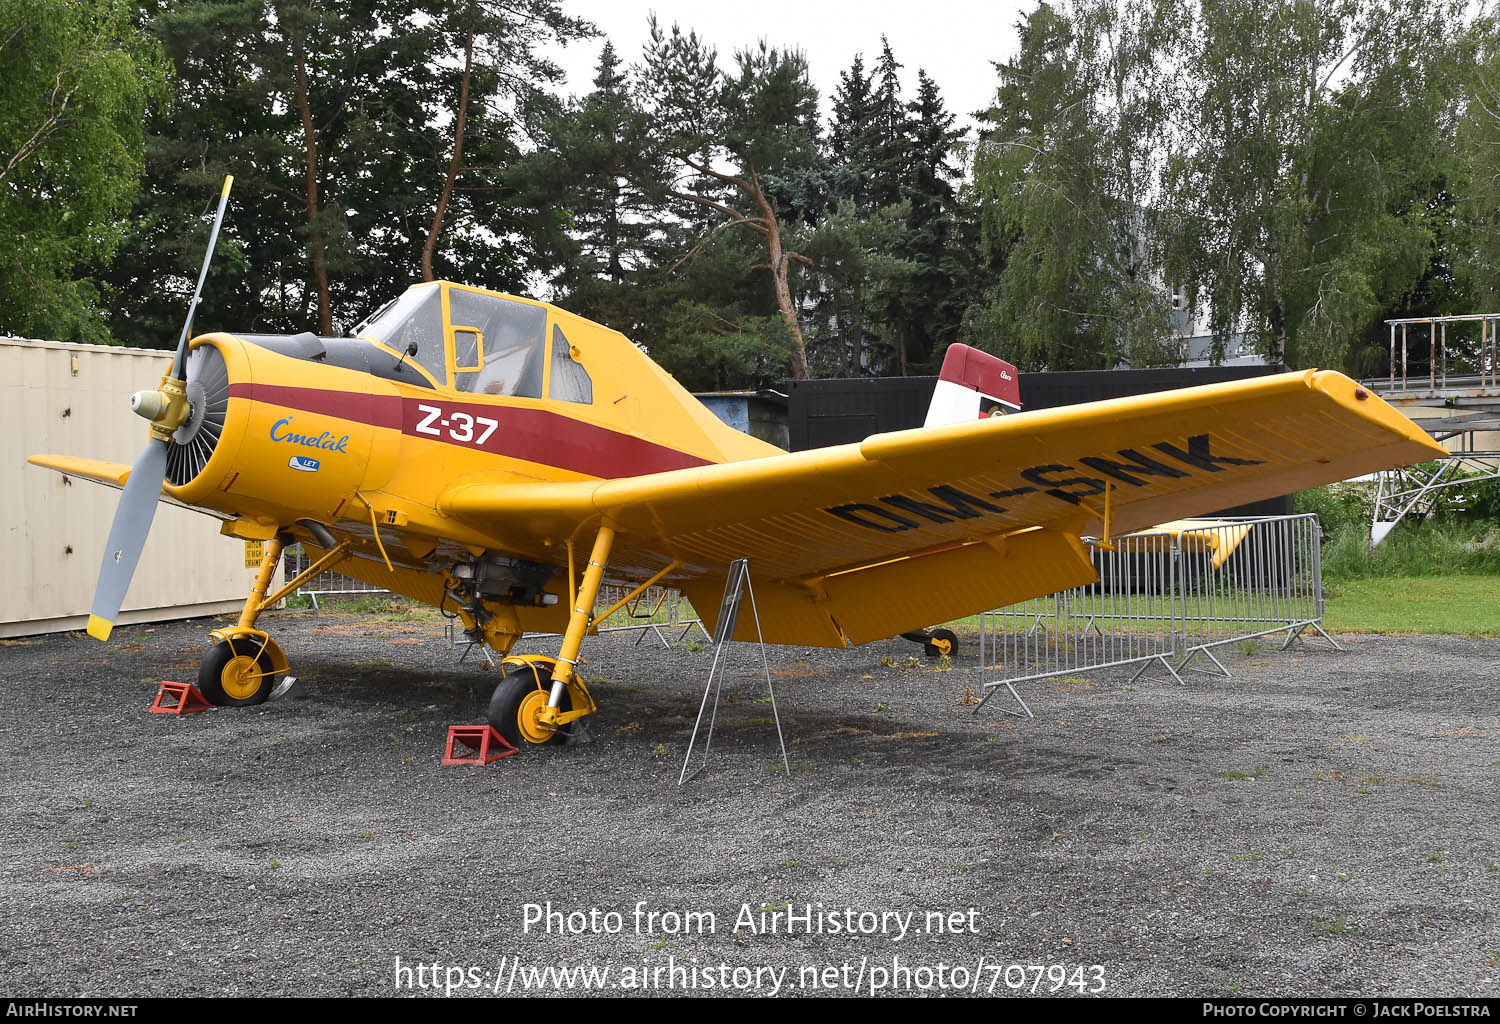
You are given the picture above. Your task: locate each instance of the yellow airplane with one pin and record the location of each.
(500, 459)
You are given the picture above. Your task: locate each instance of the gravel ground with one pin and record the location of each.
(1320, 824)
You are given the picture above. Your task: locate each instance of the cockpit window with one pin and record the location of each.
(513, 336)
(415, 317)
(570, 381)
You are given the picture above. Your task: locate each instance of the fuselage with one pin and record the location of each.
(362, 436)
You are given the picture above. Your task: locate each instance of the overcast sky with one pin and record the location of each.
(954, 40)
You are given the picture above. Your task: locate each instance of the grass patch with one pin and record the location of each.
(1413, 549)
(1417, 604)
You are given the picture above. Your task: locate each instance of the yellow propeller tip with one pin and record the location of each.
(228, 180)
(100, 628)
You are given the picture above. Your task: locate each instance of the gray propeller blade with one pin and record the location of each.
(127, 537)
(179, 364)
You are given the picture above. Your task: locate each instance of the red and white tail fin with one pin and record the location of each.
(973, 385)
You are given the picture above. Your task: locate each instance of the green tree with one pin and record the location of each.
(79, 77)
(853, 136)
(339, 123)
(849, 236)
(888, 158)
(1064, 179)
(858, 264)
(1304, 179)
(1476, 250)
(593, 167)
(503, 60)
(711, 324)
(729, 142)
(893, 280)
(928, 312)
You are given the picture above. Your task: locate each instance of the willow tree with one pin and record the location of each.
(1303, 182)
(1064, 174)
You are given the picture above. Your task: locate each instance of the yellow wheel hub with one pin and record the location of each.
(241, 677)
(943, 646)
(532, 730)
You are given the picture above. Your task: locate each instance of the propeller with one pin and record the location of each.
(170, 411)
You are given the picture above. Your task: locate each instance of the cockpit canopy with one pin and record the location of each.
(482, 342)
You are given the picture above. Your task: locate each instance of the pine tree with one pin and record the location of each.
(337, 122)
(594, 169)
(852, 136)
(940, 289)
(762, 121)
(890, 157)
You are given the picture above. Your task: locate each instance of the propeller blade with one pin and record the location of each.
(179, 364)
(127, 537)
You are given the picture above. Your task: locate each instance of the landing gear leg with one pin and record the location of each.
(541, 710)
(244, 664)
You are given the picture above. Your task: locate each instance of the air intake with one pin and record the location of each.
(208, 395)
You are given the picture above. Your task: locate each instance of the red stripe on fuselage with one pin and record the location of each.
(376, 410)
(532, 435)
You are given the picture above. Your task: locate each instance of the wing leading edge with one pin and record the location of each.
(904, 529)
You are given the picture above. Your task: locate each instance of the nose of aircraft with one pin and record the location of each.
(177, 406)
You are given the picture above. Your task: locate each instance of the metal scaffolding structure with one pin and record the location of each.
(1477, 366)
(1463, 376)
(1414, 490)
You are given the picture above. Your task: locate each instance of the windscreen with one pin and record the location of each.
(415, 317)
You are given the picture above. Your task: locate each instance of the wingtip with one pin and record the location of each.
(100, 628)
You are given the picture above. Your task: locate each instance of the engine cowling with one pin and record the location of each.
(278, 438)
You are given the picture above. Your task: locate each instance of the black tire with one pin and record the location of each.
(511, 693)
(224, 675)
(941, 642)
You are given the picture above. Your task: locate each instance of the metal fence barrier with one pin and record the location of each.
(325, 584)
(658, 611)
(1163, 598)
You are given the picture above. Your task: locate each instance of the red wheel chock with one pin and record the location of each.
(185, 698)
(488, 744)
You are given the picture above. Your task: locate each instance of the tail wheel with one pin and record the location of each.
(236, 672)
(518, 701)
(941, 642)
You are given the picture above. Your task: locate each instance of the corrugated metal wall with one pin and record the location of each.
(75, 400)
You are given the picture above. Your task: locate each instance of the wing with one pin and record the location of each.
(857, 542)
(111, 474)
(1219, 537)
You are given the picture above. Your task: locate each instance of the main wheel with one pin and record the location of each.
(518, 700)
(236, 673)
(940, 642)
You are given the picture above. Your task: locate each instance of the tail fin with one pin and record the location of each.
(973, 385)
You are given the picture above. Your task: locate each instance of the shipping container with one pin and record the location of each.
(66, 399)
